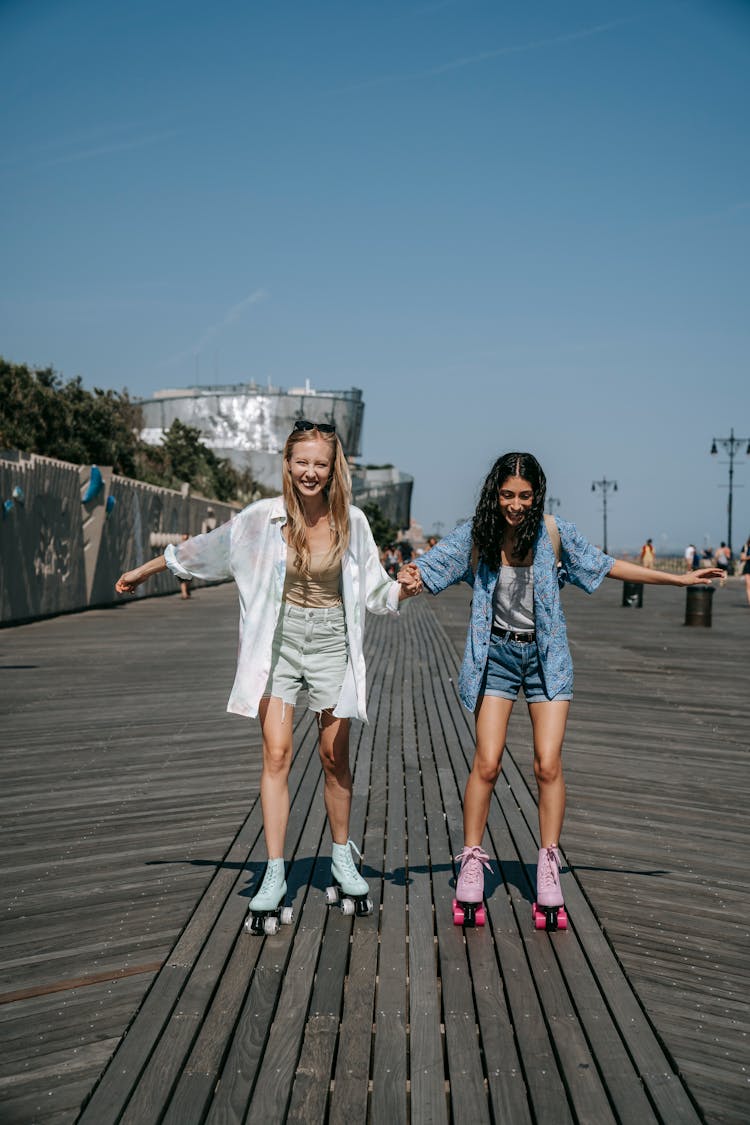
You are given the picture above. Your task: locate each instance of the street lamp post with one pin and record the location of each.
(605, 486)
(731, 444)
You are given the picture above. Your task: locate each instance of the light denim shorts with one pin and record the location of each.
(309, 652)
(512, 665)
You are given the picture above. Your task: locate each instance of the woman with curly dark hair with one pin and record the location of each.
(516, 559)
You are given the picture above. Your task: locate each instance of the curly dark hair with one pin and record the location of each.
(489, 526)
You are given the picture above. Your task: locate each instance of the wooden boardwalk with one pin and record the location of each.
(132, 841)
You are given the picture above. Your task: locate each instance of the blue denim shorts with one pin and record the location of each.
(512, 665)
(309, 651)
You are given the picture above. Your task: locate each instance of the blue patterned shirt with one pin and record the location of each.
(583, 565)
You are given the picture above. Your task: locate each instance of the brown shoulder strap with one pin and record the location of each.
(474, 559)
(554, 533)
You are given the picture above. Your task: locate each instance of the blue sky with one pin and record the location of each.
(512, 225)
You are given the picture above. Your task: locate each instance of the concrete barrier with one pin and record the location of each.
(68, 532)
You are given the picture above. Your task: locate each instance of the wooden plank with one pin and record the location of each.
(427, 1102)
(250, 1031)
(464, 1062)
(310, 1090)
(138, 1050)
(538, 1069)
(662, 1091)
(350, 1093)
(389, 1066)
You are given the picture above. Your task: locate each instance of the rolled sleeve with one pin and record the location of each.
(449, 561)
(586, 565)
(204, 556)
(171, 561)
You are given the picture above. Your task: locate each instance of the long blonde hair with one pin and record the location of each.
(338, 493)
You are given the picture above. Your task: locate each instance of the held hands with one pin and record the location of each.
(410, 581)
(701, 577)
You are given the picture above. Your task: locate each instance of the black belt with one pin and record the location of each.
(513, 635)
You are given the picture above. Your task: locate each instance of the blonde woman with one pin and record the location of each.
(307, 570)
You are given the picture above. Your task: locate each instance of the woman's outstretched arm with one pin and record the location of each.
(127, 582)
(632, 572)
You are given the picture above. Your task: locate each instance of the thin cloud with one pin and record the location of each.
(87, 144)
(430, 9)
(118, 146)
(231, 316)
(486, 56)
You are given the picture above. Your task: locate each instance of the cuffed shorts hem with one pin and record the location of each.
(563, 697)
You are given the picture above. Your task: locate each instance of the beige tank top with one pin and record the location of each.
(321, 588)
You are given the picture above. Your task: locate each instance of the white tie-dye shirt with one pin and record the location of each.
(251, 550)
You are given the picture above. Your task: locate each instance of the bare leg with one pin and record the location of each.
(548, 721)
(334, 756)
(747, 587)
(276, 721)
(491, 719)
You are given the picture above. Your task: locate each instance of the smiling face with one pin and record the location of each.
(310, 463)
(516, 497)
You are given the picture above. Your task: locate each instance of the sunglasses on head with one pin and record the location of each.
(323, 427)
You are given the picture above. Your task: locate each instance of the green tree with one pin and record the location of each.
(42, 413)
(383, 532)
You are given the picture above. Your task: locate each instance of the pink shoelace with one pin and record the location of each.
(471, 872)
(548, 876)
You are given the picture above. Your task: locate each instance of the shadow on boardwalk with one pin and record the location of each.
(133, 838)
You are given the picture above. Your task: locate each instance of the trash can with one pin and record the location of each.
(632, 594)
(698, 605)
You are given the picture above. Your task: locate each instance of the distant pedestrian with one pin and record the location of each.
(689, 556)
(184, 582)
(647, 554)
(391, 560)
(509, 554)
(723, 559)
(210, 522)
(745, 564)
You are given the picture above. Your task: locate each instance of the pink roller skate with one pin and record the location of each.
(548, 912)
(468, 908)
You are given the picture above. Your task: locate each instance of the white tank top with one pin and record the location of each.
(513, 600)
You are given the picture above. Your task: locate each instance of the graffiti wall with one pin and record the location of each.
(69, 531)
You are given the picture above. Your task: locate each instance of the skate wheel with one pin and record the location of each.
(271, 925)
(347, 906)
(480, 915)
(458, 914)
(540, 920)
(332, 896)
(287, 915)
(562, 919)
(254, 925)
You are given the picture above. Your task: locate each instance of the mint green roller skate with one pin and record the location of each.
(349, 891)
(266, 911)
